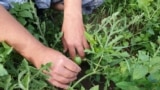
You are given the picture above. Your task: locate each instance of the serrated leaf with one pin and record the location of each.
(142, 55)
(139, 71)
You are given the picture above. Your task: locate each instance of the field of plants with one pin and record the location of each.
(124, 54)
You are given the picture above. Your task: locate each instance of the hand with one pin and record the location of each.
(73, 39)
(62, 72)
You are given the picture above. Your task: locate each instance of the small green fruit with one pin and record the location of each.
(78, 60)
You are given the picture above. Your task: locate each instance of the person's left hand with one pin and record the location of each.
(73, 36)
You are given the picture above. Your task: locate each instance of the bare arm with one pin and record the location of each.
(74, 40)
(16, 35)
(21, 40)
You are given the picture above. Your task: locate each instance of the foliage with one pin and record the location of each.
(124, 39)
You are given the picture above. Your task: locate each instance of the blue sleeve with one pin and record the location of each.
(43, 3)
(40, 3)
(5, 3)
(89, 5)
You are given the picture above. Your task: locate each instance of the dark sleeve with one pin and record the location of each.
(5, 4)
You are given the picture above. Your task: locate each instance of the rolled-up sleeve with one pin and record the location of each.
(5, 3)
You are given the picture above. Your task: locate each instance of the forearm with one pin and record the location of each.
(73, 8)
(16, 35)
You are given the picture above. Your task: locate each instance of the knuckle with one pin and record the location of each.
(70, 75)
(74, 68)
(55, 71)
(78, 44)
(56, 84)
(70, 43)
(63, 80)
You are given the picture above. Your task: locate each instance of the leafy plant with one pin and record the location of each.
(124, 49)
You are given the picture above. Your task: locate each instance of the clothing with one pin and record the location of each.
(87, 5)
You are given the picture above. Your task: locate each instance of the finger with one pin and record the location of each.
(72, 51)
(80, 51)
(60, 72)
(68, 73)
(70, 65)
(85, 44)
(62, 79)
(64, 46)
(58, 84)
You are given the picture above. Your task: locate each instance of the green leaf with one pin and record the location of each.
(3, 71)
(90, 38)
(26, 14)
(82, 88)
(155, 60)
(124, 54)
(139, 71)
(22, 21)
(38, 84)
(5, 45)
(26, 80)
(144, 3)
(115, 40)
(25, 6)
(23, 80)
(127, 85)
(8, 82)
(142, 55)
(95, 87)
(154, 77)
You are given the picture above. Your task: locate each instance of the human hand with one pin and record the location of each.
(73, 39)
(62, 72)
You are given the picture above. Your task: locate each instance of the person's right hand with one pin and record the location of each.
(63, 70)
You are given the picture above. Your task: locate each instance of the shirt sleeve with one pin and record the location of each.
(5, 3)
(89, 5)
(42, 4)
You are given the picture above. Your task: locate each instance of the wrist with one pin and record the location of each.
(33, 53)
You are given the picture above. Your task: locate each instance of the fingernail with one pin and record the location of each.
(65, 50)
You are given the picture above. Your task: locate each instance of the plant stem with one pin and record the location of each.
(92, 73)
(38, 23)
(157, 51)
(98, 63)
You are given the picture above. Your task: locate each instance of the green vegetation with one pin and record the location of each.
(124, 54)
